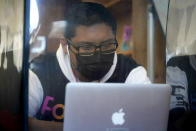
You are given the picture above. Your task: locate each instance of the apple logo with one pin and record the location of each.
(118, 117)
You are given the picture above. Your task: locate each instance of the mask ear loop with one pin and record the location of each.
(68, 51)
(69, 56)
(72, 65)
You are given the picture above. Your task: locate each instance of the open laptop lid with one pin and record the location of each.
(116, 107)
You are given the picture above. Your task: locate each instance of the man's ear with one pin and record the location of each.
(63, 44)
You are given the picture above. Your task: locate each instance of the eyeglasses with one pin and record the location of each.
(87, 49)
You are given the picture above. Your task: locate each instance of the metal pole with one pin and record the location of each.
(150, 42)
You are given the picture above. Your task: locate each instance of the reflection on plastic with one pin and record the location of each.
(34, 15)
(57, 29)
(11, 58)
(11, 41)
(181, 30)
(41, 45)
(162, 10)
(11, 30)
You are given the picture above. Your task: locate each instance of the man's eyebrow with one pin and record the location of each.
(87, 42)
(109, 40)
(84, 43)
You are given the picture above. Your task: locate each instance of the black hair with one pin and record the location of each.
(87, 14)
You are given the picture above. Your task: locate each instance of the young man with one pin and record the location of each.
(90, 43)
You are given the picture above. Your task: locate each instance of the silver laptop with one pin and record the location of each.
(116, 107)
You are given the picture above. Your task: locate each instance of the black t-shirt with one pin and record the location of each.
(53, 82)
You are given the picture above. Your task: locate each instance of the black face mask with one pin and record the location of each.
(94, 67)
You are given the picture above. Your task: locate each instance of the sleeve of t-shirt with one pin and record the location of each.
(35, 94)
(138, 76)
(178, 80)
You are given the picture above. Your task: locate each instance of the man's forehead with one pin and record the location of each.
(93, 28)
(95, 33)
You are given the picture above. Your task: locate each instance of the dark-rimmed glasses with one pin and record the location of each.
(89, 49)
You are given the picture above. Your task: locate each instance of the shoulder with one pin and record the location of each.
(129, 71)
(179, 65)
(125, 63)
(43, 58)
(126, 60)
(138, 76)
(43, 63)
(180, 61)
